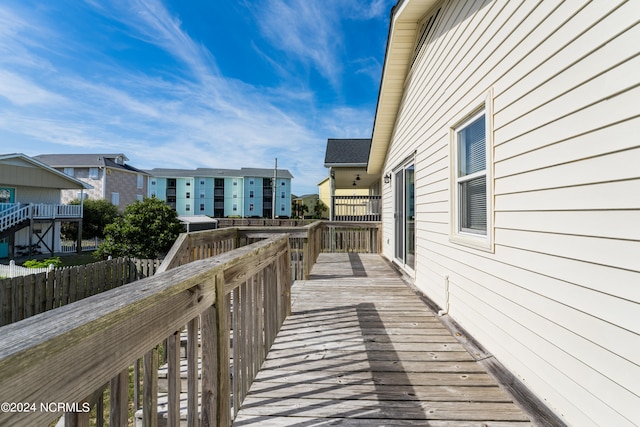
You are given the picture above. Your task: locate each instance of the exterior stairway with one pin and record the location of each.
(13, 217)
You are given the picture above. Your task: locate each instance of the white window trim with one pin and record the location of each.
(485, 242)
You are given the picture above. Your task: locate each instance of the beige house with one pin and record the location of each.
(349, 191)
(508, 134)
(31, 212)
(324, 191)
(110, 176)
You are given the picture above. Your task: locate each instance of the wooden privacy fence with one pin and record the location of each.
(25, 296)
(65, 355)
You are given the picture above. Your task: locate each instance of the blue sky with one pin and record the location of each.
(186, 84)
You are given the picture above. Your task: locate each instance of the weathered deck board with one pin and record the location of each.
(361, 349)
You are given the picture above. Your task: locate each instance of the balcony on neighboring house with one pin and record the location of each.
(14, 216)
(356, 208)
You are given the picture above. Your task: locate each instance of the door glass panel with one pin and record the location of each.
(410, 230)
(399, 215)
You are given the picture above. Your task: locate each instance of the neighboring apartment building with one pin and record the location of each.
(219, 193)
(111, 178)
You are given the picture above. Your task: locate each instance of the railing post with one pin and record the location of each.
(173, 379)
(216, 375)
(119, 413)
(192, 373)
(150, 389)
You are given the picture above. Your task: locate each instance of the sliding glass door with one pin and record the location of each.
(405, 232)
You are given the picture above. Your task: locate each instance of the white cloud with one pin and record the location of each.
(194, 117)
(22, 92)
(305, 30)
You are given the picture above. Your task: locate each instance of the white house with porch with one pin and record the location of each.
(30, 210)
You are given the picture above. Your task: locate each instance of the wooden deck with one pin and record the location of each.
(360, 348)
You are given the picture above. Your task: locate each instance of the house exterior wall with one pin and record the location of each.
(203, 196)
(112, 181)
(282, 201)
(126, 185)
(35, 195)
(253, 184)
(184, 196)
(82, 174)
(555, 297)
(233, 197)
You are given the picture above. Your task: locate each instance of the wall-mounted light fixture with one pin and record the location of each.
(358, 177)
(387, 178)
(354, 183)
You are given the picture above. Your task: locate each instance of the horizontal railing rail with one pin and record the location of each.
(363, 237)
(55, 211)
(356, 208)
(65, 355)
(305, 242)
(71, 246)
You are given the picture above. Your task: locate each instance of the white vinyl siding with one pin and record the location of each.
(556, 301)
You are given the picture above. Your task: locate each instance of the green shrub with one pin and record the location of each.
(43, 263)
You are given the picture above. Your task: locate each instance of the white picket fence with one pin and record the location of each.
(13, 270)
(69, 246)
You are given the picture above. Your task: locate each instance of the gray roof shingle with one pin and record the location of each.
(347, 152)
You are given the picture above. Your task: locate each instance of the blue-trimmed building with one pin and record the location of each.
(219, 193)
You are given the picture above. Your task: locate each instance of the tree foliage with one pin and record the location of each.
(299, 209)
(147, 229)
(318, 209)
(96, 215)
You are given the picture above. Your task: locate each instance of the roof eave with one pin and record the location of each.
(405, 15)
(345, 165)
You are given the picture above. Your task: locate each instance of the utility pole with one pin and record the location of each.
(275, 180)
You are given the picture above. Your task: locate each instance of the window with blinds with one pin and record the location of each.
(471, 177)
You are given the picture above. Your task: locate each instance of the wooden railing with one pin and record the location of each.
(12, 214)
(363, 237)
(230, 287)
(65, 355)
(356, 208)
(54, 211)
